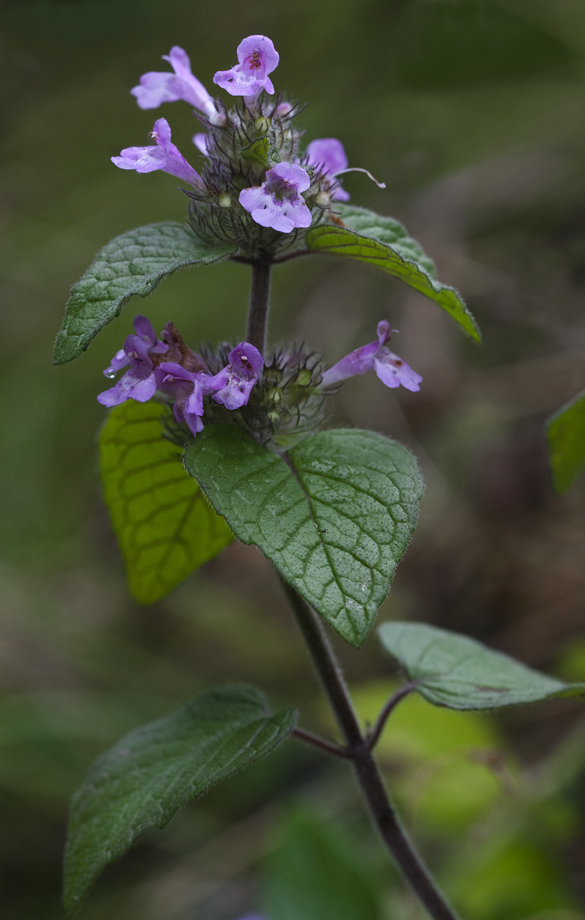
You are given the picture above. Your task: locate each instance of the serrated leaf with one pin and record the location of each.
(165, 526)
(460, 673)
(334, 514)
(130, 265)
(566, 442)
(142, 781)
(384, 242)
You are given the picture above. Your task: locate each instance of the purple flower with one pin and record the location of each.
(391, 369)
(164, 156)
(139, 381)
(278, 202)
(328, 156)
(188, 388)
(200, 141)
(257, 57)
(157, 87)
(233, 385)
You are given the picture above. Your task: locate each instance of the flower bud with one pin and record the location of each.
(225, 200)
(323, 199)
(262, 125)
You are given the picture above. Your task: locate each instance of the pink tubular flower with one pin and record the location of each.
(257, 57)
(188, 388)
(163, 156)
(328, 156)
(391, 369)
(233, 385)
(156, 87)
(139, 381)
(278, 202)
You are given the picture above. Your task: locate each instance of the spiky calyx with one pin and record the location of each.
(239, 152)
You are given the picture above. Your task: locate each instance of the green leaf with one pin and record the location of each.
(130, 265)
(316, 874)
(384, 242)
(165, 526)
(460, 673)
(566, 442)
(334, 514)
(142, 781)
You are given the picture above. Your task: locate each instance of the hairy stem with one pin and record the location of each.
(368, 775)
(257, 327)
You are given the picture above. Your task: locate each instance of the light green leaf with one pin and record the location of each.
(165, 526)
(129, 265)
(334, 514)
(566, 442)
(142, 781)
(316, 874)
(384, 242)
(460, 673)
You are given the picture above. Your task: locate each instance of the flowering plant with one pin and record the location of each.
(205, 445)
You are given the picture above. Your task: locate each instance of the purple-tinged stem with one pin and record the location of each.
(368, 775)
(320, 743)
(257, 327)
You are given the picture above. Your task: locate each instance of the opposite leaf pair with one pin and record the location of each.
(142, 781)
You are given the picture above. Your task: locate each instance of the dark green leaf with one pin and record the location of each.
(316, 875)
(384, 242)
(142, 781)
(566, 442)
(460, 673)
(130, 265)
(334, 514)
(165, 526)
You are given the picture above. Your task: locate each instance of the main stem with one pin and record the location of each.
(367, 772)
(257, 326)
(358, 749)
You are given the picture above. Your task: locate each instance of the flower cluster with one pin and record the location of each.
(256, 186)
(257, 189)
(168, 367)
(282, 397)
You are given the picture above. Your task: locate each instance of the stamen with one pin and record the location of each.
(359, 169)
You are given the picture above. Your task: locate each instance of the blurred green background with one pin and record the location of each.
(473, 113)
